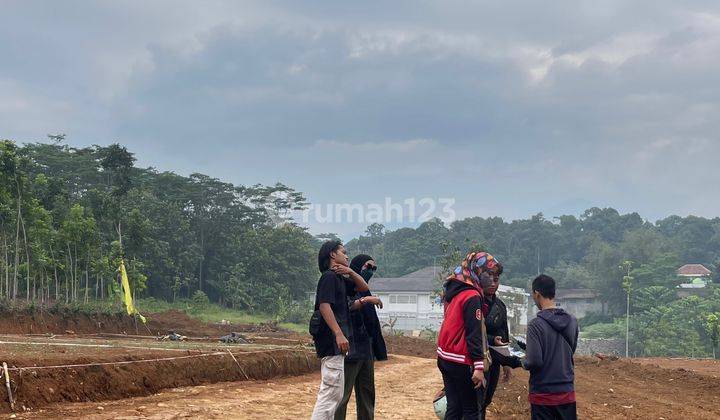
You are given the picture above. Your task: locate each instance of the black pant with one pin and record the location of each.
(463, 400)
(553, 412)
(492, 375)
(360, 375)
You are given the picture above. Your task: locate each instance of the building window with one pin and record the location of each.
(403, 299)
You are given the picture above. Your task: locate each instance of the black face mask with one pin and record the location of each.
(367, 274)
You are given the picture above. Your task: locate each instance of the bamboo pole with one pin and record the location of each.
(7, 385)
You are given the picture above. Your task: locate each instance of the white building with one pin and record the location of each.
(412, 301)
(578, 302)
(695, 280)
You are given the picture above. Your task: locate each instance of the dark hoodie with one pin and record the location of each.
(551, 342)
(365, 323)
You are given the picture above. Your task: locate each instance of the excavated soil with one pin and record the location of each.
(404, 389)
(621, 389)
(651, 388)
(20, 322)
(409, 346)
(123, 365)
(100, 374)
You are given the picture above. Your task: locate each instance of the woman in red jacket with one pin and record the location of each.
(460, 342)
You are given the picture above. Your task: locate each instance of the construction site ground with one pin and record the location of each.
(116, 374)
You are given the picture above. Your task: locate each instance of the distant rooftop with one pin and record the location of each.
(424, 280)
(693, 270)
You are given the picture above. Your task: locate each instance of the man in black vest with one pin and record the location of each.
(496, 324)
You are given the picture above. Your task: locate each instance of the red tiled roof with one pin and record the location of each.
(693, 270)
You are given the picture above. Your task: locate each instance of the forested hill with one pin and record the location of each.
(64, 210)
(68, 215)
(584, 251)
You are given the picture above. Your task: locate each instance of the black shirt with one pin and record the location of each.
(332, 289)
(496, 321)
(361, 343)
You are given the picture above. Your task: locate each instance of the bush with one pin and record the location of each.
(200, 300)
(296, 312)
(594, 318)
(429, 334)
(614, 330)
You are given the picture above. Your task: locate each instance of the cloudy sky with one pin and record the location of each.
(510, 108)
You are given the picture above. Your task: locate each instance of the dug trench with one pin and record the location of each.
(34, 387)
(405, 385)
(52, 360)
(606, 389)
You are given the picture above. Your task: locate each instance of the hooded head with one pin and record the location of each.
(359, 262)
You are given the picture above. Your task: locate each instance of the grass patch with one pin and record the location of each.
(212, 313)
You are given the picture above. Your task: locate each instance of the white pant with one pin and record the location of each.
(332, 385)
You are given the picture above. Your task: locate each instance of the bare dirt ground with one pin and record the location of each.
(91, 358)
(707, 367)
(276, 377)
(405, 385)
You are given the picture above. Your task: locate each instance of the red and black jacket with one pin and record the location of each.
(460, 339)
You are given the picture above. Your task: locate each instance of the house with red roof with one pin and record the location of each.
(693, 270)
(696, 277)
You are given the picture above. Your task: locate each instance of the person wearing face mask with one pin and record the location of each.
(329, 324)
(366, 345)
(496, 325)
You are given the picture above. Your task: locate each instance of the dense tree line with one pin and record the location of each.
(68, 215)
(580, 252)
(583, 252)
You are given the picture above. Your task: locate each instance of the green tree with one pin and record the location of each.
(712, 325)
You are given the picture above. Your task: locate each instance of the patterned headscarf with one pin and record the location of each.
(472, 266)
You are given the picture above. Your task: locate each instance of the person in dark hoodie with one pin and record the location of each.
(461, 345)
(366, 346)
(551, 342)
(498, 334)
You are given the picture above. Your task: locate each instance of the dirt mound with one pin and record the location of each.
(48, 321)
(180, 322)
(410, 346)
(39, 387)
(708, 367)
(40, 322)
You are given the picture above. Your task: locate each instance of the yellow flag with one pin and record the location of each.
(127, 296)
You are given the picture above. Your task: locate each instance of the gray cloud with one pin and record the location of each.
(511, 108)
